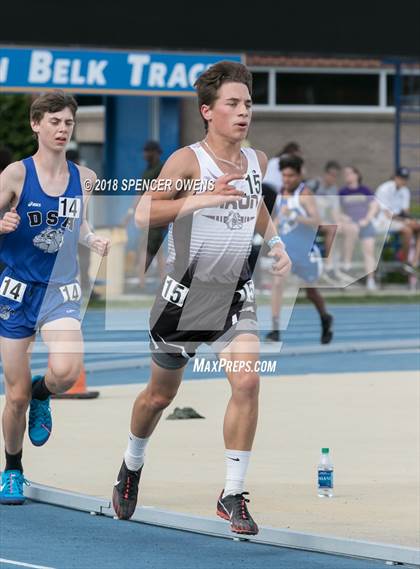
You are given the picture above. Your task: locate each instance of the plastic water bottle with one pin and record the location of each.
(325, 475)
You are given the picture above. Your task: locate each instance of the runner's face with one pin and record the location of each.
(230, 114)
(55, 129)
(291, 179)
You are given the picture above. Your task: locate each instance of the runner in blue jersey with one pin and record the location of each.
(39, 289)
(299, 220)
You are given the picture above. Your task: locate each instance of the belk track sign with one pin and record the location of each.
(106, 72)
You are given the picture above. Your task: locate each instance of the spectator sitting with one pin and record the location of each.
(325, 189)
(358, 208)
(394, 198)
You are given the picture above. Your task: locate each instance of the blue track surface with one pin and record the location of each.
(353, 324)
(65, 539)
(58, 538)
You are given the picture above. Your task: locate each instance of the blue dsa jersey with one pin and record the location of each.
(299, 239)
(43, 249)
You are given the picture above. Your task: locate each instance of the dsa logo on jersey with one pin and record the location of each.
(5, 311)
(50, 240)
(69, 209)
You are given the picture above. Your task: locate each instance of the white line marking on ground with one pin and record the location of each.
(394, 352)
(21, 564)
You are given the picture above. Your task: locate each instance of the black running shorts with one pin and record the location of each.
(184, 317)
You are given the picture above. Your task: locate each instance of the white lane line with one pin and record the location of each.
(21, 564)
(394, 352)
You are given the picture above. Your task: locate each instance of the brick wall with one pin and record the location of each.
(364, 140)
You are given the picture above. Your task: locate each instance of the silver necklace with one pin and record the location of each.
(223, 159)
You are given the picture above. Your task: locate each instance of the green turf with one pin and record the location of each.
(264, 300)
(368, 299)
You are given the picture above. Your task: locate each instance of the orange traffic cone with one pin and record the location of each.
(79, 390)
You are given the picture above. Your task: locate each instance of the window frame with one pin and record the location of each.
(381, 108)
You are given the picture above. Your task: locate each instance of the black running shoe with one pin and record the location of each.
(273, 336)
(327, 329)
(234, 509)
(124, 495)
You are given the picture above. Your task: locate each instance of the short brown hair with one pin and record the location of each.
(213, 78)
(52, 102)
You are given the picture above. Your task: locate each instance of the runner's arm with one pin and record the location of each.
(87, 237)
(309, 203)
(11, 184)
(163, 204)
(265, 225)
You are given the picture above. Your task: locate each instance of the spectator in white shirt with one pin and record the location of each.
(273, 177)
(394, 198)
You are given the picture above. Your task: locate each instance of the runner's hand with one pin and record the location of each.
(223, 192)
(100, 245)
(10, 221)
(282, 264)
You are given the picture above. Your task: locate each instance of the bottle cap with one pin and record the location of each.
(325, 450)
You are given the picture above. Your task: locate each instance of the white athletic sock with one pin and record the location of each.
(134, 455)
(236, 466)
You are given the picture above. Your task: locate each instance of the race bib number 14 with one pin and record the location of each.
(10, 288)
(69, 207)
(71, 292)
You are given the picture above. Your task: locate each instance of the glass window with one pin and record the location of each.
(410, 89)
(327, 89)
(88, 100)
(260, 87)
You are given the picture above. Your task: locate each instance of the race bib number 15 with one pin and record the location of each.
(174, 292)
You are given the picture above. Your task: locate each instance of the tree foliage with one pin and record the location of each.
(15, 130)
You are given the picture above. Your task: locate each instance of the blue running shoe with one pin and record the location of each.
(11, 491)
(40, 420)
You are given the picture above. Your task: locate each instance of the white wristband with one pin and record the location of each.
(273, 241)
(86, 238)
